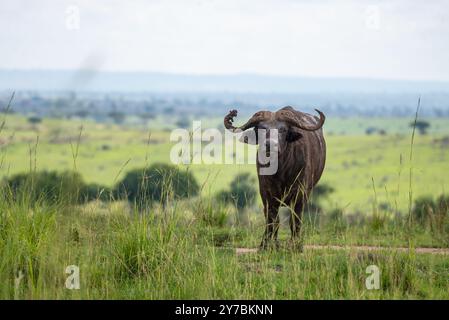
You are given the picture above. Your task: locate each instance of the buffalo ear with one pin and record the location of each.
(249, 137)
(293, 135)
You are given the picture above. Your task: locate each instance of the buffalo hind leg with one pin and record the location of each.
(271, 226)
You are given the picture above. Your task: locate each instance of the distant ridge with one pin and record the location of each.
(57, 80)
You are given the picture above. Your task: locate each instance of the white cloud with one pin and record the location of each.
(384, 39)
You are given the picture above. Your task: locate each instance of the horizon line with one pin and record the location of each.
(236, 74)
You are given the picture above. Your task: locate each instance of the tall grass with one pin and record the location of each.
(27, 234)
(125, 254)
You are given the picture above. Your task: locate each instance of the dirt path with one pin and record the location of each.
(358, 248)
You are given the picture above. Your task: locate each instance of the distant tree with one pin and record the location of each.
(34, 120)
(81, 114)
(147, 116)
(183, 123)
(149, 108)
(322, 190)
(117, 116)
(169, 111)
(421, 125)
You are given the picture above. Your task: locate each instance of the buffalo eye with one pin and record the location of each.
(293, 135)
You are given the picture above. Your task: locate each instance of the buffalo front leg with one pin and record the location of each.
(271, 226)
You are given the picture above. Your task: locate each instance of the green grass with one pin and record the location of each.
(187, 248)
(106, 152)
(170, 255)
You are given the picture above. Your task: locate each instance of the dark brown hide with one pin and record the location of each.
(301, 162)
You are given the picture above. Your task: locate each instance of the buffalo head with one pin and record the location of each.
(275, 129)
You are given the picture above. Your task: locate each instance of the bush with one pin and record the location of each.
(435, 213)
(314, 209)
(183, 123)
(337, 220)
(423, 208)
(241, 193)
(34, 120)
(421, 125)
(95, 191)
(320, 192)
(117, 116)
(47, 186)
(157, 183)
(443, 205)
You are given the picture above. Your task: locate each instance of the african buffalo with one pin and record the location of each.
(301, 154)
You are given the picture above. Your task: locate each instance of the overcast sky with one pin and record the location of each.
(395, 39)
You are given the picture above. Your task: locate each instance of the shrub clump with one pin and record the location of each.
(51, 187)
(241, 193)
(423, 208)
(157, 183)
(435, 213)
(46, 186)
(94, 191)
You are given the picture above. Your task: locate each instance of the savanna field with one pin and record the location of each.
(378, 194)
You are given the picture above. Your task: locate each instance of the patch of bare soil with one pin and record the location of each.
(240, 251)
